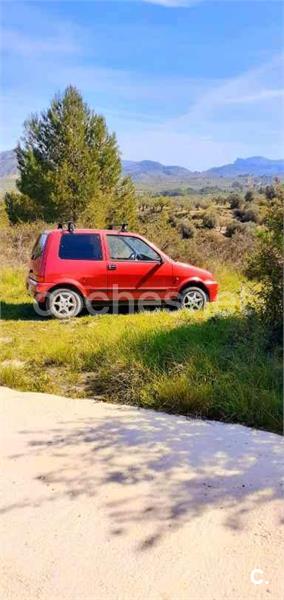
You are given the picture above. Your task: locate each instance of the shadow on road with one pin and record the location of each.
(154, 469)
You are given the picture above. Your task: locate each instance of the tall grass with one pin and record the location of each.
(213, 364)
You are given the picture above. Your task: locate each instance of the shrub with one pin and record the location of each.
(187, 230)
(221, 199)
(16, 242)
(247, 214)
(249, 196)
(21, 208)
(201, 203)
(210, 219)
(266, 265)
(251, 214)
(270, 192)
(234, 200)
(233, 227)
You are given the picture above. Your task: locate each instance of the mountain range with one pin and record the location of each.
(255, 166)
(147, 170)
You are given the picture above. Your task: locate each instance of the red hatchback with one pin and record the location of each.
(72, 268)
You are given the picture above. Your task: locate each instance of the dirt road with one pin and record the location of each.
(110, 502)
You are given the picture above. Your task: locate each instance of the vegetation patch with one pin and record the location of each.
(214, 364)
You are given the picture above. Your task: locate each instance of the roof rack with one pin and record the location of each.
(70, 226)
(123, 226)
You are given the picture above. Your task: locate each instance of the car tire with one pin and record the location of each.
(64, 303)
(193, 298)
(41, 308)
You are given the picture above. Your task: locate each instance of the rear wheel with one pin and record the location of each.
(193, 298)
(64, 303)
(41, 308)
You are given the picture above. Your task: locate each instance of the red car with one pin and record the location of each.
(72, 268)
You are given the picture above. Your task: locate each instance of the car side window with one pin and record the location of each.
(80, 246)
(130, 248)
(39, 246)
(118, 248)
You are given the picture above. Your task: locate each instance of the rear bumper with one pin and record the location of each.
(212, 287)
(36, 289)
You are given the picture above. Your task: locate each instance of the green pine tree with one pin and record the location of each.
(70, 165)
(121, 208)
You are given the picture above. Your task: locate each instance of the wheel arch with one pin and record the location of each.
(67, 285)
(195, 283)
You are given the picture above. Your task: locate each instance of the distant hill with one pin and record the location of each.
(150, 174)
(256, 166)
(149, 168)
(8, 163)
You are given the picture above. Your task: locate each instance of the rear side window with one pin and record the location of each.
(39, 246)
(80, 246)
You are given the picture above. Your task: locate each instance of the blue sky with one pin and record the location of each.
(189, 82)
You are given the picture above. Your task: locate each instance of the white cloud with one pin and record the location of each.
(59, 41)
(239, 116)
(260, 84)
(260, 96)
(170, 146)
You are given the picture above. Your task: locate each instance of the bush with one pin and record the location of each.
(249, 196)
(210, 219)
(16, 243)
(21, 208)
(187, 230)
(247, 214)
(201, 203)
(234, 200)
(270, 192)
(251, 214)
(233, 227)
(266, 265)
(236, 227)
(221, 200)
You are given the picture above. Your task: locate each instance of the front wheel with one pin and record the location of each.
(193, 298)
(64, 303)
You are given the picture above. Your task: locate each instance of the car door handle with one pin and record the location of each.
(111, 267)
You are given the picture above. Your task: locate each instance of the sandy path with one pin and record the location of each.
(111, 502)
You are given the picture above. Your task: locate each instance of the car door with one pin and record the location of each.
(135, 268)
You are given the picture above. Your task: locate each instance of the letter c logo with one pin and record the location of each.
(254, 576)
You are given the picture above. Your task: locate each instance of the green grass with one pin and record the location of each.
(213, 364)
